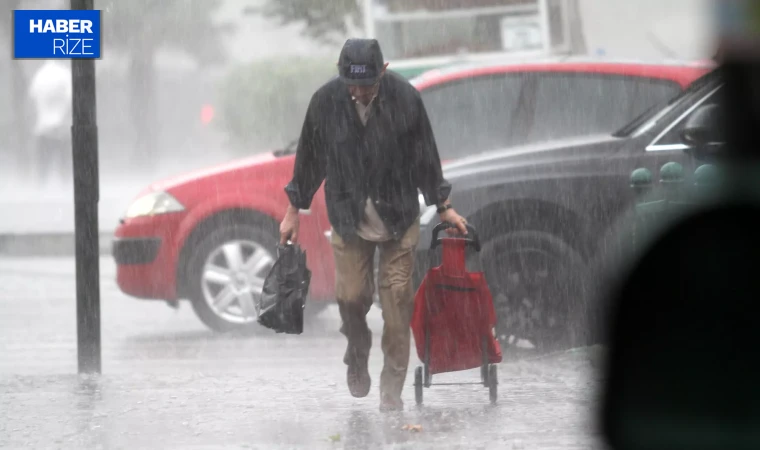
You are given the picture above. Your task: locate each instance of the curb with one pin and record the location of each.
(46, 244)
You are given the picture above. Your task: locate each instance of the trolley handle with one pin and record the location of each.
(472, 235)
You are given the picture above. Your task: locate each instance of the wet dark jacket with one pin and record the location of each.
(387, 161)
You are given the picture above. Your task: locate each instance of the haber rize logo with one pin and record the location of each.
(56, 34)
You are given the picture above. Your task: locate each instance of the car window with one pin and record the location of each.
(650, 118)
(473, 115)
(568, 105)
(670, 138)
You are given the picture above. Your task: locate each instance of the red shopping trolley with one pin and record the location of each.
(454, 318)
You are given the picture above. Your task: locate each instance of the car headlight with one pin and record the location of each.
(153, 204)
(428, 212)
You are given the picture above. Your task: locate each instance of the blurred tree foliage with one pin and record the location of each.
(138, 28)
(263, 104)
(325, 20)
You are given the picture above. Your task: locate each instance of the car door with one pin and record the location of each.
(653, 143)
(571, 105)
(477, 114)
(660, 140)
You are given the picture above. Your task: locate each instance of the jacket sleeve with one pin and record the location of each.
(311, 162)
(434, 187)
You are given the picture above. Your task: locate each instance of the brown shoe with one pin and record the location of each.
(388, 403)
(358, 380)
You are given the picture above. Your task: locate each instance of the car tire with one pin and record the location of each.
(261, 236)
(559, 286)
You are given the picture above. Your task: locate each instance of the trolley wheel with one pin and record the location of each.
(493, 383)
(418, 385)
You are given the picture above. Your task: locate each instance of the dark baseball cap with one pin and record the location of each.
(360, 62)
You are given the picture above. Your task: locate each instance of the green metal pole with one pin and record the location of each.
(84, 136)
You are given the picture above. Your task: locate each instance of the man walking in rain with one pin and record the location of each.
(367, 133)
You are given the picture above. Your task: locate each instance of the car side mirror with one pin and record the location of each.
(703, 132)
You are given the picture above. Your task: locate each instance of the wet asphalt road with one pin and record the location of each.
(169, 383)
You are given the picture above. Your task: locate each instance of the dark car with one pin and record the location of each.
(545, 213)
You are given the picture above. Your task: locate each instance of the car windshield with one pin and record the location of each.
(652, 116)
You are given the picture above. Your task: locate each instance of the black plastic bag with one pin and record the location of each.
(285, 289)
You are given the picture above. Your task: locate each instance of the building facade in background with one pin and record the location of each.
(631, 29)
(440, 28)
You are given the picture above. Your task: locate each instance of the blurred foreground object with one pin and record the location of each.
(84, 134)
(738, 24)
(285, 289)
(681, 372)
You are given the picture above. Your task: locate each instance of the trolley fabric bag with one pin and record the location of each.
(454, 316)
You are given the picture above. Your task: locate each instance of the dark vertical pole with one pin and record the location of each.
(84, 134)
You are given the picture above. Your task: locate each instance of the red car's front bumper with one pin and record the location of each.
(146, 252)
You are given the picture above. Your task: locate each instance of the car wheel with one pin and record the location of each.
(226, 274)
(539, 287)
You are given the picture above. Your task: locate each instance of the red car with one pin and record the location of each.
(211, 236)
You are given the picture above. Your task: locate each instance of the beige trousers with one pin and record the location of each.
(354, 267)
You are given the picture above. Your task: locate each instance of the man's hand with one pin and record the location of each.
(289, 226)
(453, 218)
